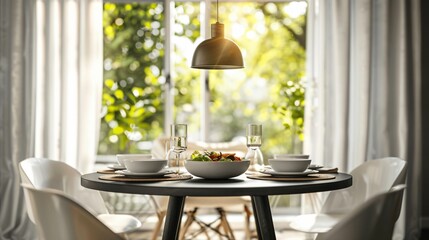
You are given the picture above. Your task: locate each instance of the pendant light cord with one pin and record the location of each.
(217, 10)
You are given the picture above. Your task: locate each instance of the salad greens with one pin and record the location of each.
(207, 156)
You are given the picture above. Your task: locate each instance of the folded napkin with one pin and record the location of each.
(328, 170)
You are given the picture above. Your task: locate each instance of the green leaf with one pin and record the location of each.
(109, 117)
(109, 83)
(117, 130)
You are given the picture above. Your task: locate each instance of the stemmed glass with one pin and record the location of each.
(176, 154)
(254, 142)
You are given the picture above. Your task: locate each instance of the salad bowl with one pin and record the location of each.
(212, 165)
(216, 170)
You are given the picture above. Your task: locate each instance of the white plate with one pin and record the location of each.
(116, 167)
(289, 174)
(137, 175)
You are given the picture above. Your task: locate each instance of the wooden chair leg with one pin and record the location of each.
(225, 224)
(190, 218)
(161, 216)
(247, 215)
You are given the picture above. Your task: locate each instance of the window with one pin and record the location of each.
(133, 92)
(148, 84)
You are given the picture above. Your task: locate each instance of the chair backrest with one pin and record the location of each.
(45, 173)
(373, 220)
(59, 217)
(370, 178)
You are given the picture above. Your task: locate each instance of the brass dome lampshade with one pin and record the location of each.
(217, 52)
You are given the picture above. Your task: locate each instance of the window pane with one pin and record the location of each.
(133, 105)
(187, 94)
(269, 90)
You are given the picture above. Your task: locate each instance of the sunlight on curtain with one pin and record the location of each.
(68, 49)
(362, 94)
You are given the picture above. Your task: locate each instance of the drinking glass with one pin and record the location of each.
(176, 154)
(254, 142)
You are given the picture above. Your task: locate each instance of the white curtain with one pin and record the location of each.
(363, 95)
(51, 67)
(68, 70)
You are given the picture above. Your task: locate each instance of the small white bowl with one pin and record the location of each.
(120, 157)
(136, 165)
(216, 170)
(286, 155)
(289, 164)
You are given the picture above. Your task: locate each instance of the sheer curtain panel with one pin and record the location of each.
(15, 118)
(51, 84)
(68, 70)
(363, 95)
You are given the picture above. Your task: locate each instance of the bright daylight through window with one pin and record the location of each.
(148, 82)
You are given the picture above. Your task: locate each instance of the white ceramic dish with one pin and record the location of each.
(289, 174)
(139, 175)
(315, 166)
(285, 155)
(216, 170)
(120, 157)
(289, 164)
(137, 165)
(116, 167)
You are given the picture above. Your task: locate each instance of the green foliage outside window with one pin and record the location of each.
(270, 90)
(133, 94)
(133, 103)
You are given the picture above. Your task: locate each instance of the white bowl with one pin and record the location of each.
(289, 164)
(286, 155)
(216, 170)
(120, 157)
(136, 165)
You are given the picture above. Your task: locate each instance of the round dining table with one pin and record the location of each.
(258, 190)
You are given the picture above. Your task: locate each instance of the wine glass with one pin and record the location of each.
(254, 142)
(176, 154)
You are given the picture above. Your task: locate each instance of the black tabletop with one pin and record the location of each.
(239, 186)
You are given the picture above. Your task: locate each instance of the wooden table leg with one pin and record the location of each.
(263, 217)
(173, 218)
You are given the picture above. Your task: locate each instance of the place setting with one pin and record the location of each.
(140, 168)
(120, 165)
(292, 167)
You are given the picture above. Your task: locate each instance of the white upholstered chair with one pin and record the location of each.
(57, 216)
(369, 179)
(373, 220)
(42, 173)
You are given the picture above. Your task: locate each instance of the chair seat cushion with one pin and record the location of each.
(315, 223)
(120, 223)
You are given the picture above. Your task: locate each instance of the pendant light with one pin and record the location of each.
(217, 52)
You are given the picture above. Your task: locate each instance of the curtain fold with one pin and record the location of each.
(51, 66)
(68, 74)
(362, 99)
(15, 120)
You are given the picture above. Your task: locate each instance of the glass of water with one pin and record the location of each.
(176, 154)
(254, 142)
